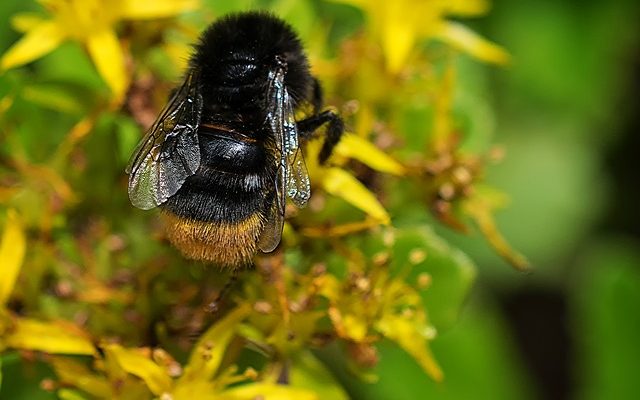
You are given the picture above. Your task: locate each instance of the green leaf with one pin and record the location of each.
(477, 356)
(299, 13)
(227, 7)
(21, 379)
(69, 63)
(570, 191)
(605, 298)
(449, 272)
(309, 373)
(54, 97)
(128, 136)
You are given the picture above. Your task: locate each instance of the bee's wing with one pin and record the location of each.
(292, 178)
(270, 237)
(169, 152)
(296, 177)
(272, 232)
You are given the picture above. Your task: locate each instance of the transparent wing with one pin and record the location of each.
(292, 170)
(295, 172)
(270, 237)
(169, 152)
(292, 178)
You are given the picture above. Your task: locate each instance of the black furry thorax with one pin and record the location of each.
(234, 57)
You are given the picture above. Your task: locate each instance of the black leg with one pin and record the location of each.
(308, 126)
(317, 98)
(215, 305)
(335, 128)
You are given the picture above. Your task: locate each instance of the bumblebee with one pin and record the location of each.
(225, 152)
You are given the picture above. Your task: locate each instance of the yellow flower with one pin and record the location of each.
(92, 23)
(341, 183)
(399, 24)
(12, 250)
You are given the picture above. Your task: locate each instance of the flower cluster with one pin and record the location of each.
(87, 289)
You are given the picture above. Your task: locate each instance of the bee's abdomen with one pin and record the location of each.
(229, 186)
(226, 244)
(224, 203)
(218, 214)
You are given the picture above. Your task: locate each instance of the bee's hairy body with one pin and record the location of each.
(219, 213)
(224, 154)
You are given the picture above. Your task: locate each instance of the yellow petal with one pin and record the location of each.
(404, 332)
(71, 394)
(12, 249)
(353, 146)
(355, 327)
(50, 337)
(441, 139)
(78, 132)
(308, 372)
(207, 353)
(479, 208)
(267, 391)
(105, 51)
(330, 287)
(36, 43)
(201, 390)
(150, 9)
(5, 103)
(342, 184)
(26, 21)
(76, 374)
(136, 363)
(398, 37)
(365, 121)
(467, 7)
(340, 230)
(463, 38)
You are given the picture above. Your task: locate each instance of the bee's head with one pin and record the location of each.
(240, 50)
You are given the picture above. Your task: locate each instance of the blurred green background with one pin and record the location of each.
(567, 111)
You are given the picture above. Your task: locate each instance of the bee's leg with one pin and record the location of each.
(335, 128)
(317, 97)
(215, 305)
